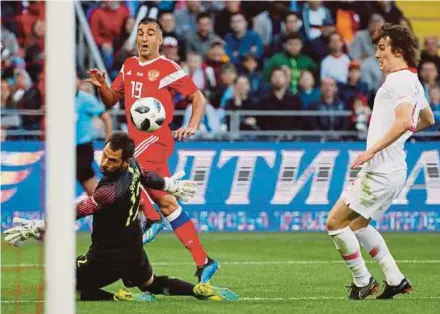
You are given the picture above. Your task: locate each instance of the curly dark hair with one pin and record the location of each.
(402, 41)
(121, 140)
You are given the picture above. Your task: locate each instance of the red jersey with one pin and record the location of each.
(157, 78)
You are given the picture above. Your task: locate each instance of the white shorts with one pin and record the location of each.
(372, 193)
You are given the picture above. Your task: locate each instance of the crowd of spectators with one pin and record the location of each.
(280, 55)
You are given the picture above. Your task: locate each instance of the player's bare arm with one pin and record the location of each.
(198, 110)
(401, 124)
(426, 119)
(108, 95)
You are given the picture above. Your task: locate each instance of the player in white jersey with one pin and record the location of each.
(400, 108)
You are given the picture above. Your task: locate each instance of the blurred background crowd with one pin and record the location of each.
(299, 56)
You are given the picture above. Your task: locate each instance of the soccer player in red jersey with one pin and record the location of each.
(152, 75)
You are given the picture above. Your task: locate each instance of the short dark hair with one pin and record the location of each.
(149, 20)
(239, 13)
(240, 76)
(289, 13)
(203, 15)
(276, 69)
(228, 67)
(291, 36)
(402, 40)
(333, 34)
(121, 140)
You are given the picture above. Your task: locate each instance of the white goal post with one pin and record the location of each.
(60, 157)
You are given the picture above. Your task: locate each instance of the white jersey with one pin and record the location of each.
(402, 86)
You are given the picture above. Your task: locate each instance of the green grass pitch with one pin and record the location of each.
(272, 273)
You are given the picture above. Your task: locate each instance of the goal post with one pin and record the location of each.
(60, 157)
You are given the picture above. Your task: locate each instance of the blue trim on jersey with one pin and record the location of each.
(180, 220)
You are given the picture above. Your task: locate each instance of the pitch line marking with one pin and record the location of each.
(322, 298)
(263, 299)
(287, 262)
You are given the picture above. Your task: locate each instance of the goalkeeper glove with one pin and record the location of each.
(181, 189)
(23, 230)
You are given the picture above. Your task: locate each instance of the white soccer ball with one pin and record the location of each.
(147, 114)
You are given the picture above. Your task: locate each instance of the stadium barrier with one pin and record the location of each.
(253, 186)
(234, 132)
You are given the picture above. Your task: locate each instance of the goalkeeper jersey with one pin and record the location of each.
(115, 208)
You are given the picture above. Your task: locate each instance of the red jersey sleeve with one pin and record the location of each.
(102, 196)
(178, 80)
(118, 83)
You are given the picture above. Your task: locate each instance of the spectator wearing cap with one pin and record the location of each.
(329, 103)
(292, 58)
(170, 49)
(106, 22)
(202, 39)
(361, 114)
(242, 41)
(250, 70)
(216, 58)
(280, 97)
(429, 52)
(335, 65)
(362, 45)
(186, 17)
(293, 25)
(354, 85)
(318, 25)
(222, 24)
(308, 93)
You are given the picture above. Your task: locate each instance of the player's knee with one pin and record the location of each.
(146, 285)
(359, 223)
(156, 285)
(332, 223)
(168, 204)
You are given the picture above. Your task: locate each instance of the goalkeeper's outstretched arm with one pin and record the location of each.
(181, 189)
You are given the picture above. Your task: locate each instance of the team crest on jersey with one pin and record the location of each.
(153, 75)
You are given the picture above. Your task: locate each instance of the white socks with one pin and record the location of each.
(374, 243)
(347, 244)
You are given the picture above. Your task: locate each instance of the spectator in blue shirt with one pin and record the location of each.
(308, 93)
(329, 102)
(255, 77)
(242, 41)
(434, 96)
(87, 108)
(186, 17)
(354, 85)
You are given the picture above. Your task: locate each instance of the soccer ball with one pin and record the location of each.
(147, 114)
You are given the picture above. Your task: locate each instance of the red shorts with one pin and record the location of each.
(155, 158)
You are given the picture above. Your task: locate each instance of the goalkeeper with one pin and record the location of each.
(117, 250)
